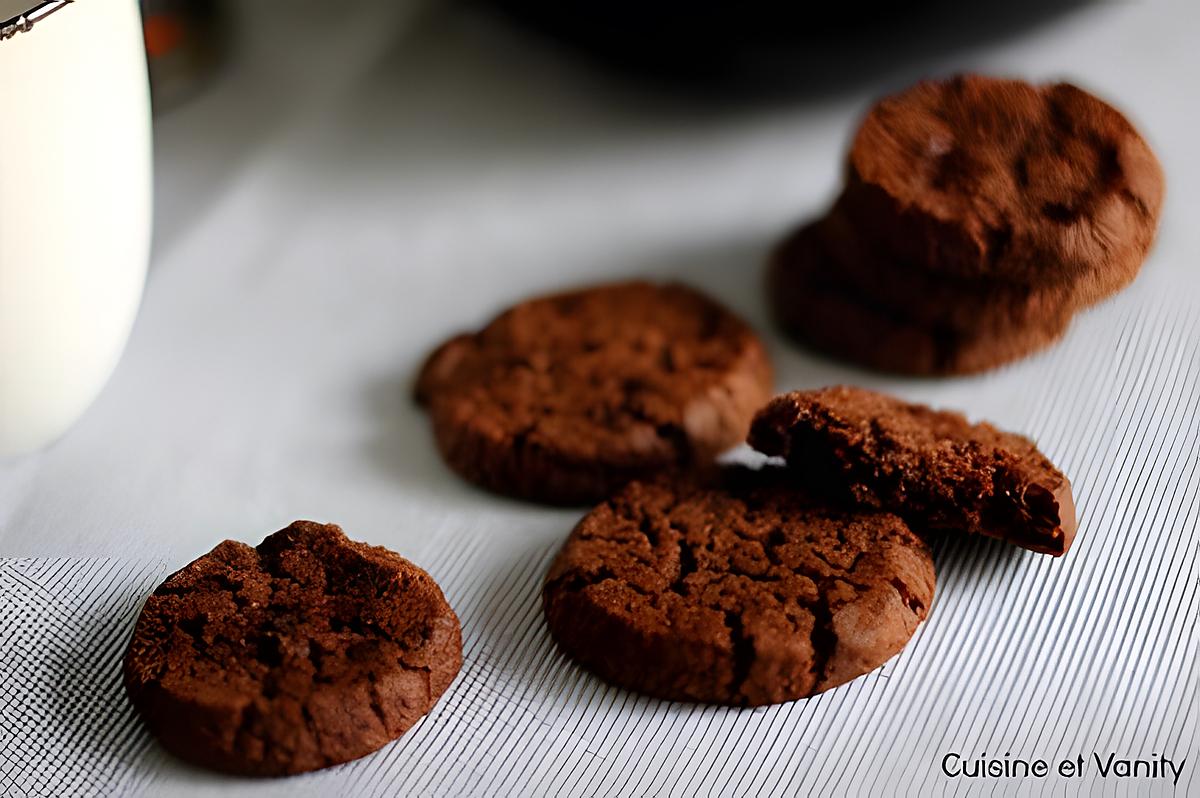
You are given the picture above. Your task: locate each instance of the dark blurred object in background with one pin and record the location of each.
(769, 46)
(186, 41)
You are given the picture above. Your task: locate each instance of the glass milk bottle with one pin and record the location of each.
(75, 207)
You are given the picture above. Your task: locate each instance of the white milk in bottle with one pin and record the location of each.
(75, 210)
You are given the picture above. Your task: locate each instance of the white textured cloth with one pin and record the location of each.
(354, 189)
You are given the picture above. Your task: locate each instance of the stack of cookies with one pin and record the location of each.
(978, 216)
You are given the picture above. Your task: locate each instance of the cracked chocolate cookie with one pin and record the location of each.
(744, 593)
(304, 652)
(814, 298)
(980, 176)
(933, 467)
(564, 398)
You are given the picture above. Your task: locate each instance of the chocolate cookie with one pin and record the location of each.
(933, 467)
(966, 306)
(814, 299)
(304, 652)
(564, 398)
(745, 593)
(978, 176)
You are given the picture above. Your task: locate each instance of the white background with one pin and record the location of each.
(357, 186)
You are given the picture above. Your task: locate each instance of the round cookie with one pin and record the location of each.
(983, 177)
(564, 398)
(743, 594)
(810, 298)
(304, 652)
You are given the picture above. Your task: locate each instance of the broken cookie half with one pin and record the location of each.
(932, 467)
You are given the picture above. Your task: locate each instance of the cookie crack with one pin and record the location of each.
(675, 435)
(578, 581)
(520, 439)
(646, 527)
(823, 638)
(775, 540)
(1137, 202)
(242, 730)
(741, 650)
(194, 628)
(428, 683)
(687, 566)
(311, 725)
(909, 600)
(375, 701)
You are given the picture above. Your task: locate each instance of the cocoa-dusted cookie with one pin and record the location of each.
(304, 652)
(933, 467)
(564, 398)
(815, 301)
(980, 176)
(744, 593)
